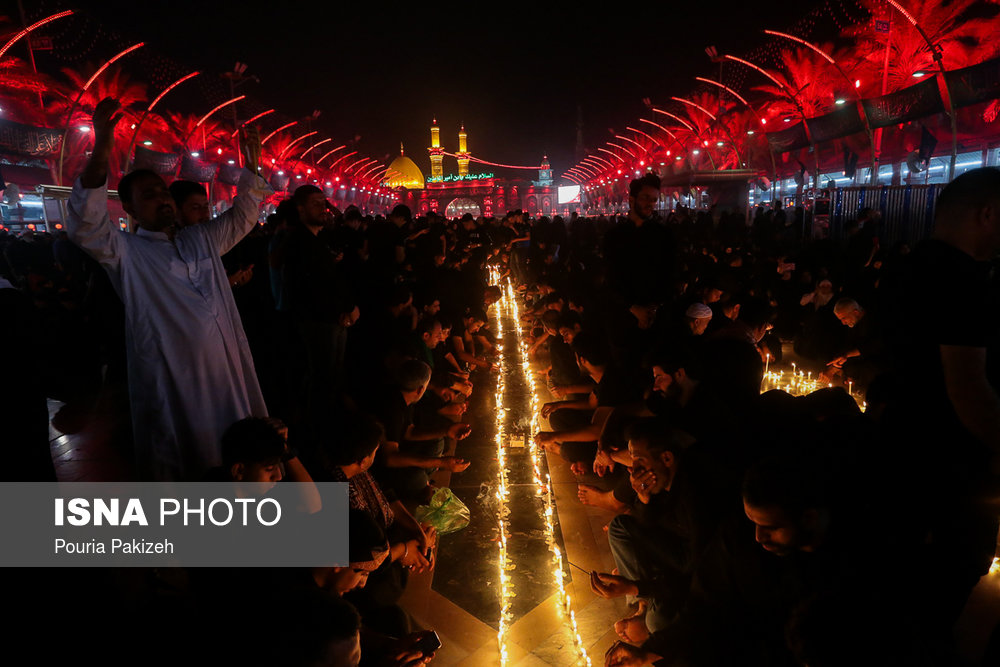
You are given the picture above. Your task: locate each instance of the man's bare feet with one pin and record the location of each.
(591, 495)
(632, 629)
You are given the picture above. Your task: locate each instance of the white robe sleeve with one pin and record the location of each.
(89, 226)
(229, 228)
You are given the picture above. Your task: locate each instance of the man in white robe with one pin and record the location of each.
(190, 371)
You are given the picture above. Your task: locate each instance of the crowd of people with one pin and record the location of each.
(749, 528)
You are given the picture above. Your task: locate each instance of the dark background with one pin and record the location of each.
(516, 74)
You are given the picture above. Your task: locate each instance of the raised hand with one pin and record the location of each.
(106, 117)
(250, 144)
(107, 114)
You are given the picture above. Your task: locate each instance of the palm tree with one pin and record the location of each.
(112, 83)
(963, 30)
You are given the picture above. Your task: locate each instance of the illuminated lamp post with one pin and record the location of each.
(370, 170)
(146, 113)
(295, 141)
(364, 160)
(673, 136)
(251, 120)
(31, 52)
(318, 143)
(579, 174)
(725, 129)
(939, 59)
(611, 153)
(587, 168)
(595, 166)
(341, 159)
(379, 174)
(692, 129)
(596, 163)
(774, 166)
(329, 153)
(650, 137)
(802, 114)
(572, 178)
(283, 127)
(79, 96)
(600, 160)
(611, 143)
(850, 86)
(202, 120)
(33, 26)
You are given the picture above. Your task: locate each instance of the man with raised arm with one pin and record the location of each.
(190, 371)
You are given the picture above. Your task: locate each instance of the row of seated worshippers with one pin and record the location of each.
(768, 528)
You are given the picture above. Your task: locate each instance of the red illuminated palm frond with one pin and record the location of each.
(806, 84)
(963, 30)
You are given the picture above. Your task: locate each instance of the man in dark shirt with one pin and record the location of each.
(942, 315)
(578, 424)
(318, 299)
(655, 546)
(640, 251)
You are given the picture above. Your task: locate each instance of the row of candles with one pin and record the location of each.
(502, 493)
(799, 383)
(543, 487)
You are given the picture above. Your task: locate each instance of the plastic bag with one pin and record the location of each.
(446, 512)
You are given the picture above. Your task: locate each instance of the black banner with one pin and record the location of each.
(840, 123)
(199, 171)
(919, 101)
(28, 140)
(164, 164)
(974, 84)
(789, 139)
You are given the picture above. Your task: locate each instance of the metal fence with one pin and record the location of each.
(907, 210)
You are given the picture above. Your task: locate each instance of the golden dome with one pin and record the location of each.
(403, 172)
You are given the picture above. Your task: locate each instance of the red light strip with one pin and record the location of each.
(492, 164)
(283, 127)
(605, 150)
(725, 88)
(696, 106)
(611, 143)
(364, 160)
(247, 122)
(677, 118)
(169, 88)
(224, 104)
(295, 141)
(108, 64)
(632, 141)
(803, 42)
(341, 158)
(31, 27)
(657, 125)
(331, 153)
(601, 160)
(318, 143)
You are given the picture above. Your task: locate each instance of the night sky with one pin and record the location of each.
(515, 74)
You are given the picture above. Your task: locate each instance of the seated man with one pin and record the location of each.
(655, 547)
(577, 424)
(412, 452)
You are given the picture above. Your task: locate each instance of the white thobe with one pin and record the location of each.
(190, 372)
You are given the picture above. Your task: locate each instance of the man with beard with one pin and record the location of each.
(190, 371)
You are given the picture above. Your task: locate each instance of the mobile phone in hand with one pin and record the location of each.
(429, 643)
